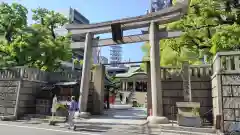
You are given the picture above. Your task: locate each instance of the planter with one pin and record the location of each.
(134, 104)
(193, 121)
(188, 114)
(62, 112)
(52, 123)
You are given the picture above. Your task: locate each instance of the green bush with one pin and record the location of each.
(136, 104)
(196, 111)
(61, 107)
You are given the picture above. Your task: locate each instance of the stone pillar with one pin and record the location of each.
(157, 102)
(126, 86)
(149, 93)
(123, 85)
(98, 95)
(134, 85)
(85, 78)
(187, 94)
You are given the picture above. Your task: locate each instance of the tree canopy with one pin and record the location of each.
(34, 45)
(209, 27)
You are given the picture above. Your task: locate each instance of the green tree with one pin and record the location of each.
(36, 45)
(12, 18)
(209, 27)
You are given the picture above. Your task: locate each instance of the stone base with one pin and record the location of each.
(158, 120)
(8, 118)
(82, 115)
(189, 121)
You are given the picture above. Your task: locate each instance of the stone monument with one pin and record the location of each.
(188, 111)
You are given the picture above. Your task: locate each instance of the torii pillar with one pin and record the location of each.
(85, 78)
(156, 88)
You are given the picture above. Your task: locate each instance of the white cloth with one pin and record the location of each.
(70, 118)
(54, 103)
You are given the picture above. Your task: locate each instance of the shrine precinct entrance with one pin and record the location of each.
(116, 27)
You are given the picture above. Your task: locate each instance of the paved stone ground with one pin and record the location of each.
(125, 119)
(16, 128)
(120, 120)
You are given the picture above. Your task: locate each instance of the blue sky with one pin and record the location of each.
(98, 11)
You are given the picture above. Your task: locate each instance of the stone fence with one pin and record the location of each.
(226, 89)
(172, 85)
(173, 88)
(32, 74)
(19, 86)
(196, 71)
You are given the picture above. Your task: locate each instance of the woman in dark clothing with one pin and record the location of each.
(121, 97)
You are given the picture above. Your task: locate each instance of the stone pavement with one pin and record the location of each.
(16, 128)
(125, 119)
(120, 120)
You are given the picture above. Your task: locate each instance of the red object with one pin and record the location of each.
(150, 112)
(112, 99)
(105, 100)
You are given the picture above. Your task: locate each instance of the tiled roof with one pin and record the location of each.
(131, 71)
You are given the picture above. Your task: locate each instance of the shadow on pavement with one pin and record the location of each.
(131, 113)
(92, 128)
(119, 128)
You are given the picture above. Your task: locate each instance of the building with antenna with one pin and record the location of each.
(115, 55)
(75, 17)
(157, 5)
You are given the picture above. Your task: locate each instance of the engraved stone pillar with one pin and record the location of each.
(85, 79)
(186, 82)
(157, 102)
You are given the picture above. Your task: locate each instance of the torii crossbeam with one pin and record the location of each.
(151, 20)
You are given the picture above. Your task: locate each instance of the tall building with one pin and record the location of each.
(115, 55)
(77, 18)
(74, 17)
(78, 53)
(157, 5)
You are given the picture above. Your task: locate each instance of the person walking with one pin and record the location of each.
(72, 109)
(121, 98)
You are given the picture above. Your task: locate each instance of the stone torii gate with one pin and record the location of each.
(151, 20)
